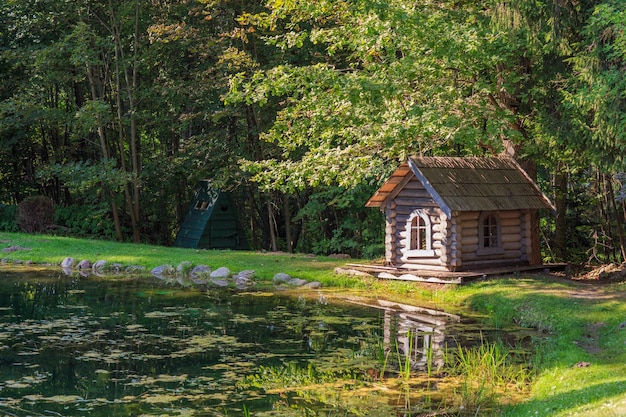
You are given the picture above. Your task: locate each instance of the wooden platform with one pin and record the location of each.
(439, 277)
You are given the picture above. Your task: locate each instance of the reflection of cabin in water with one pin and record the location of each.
(211, 221)
(418, 332)
(460, 214)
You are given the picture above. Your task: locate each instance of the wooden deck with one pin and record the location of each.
(439, 277)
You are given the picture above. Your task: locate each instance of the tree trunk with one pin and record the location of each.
(606, 217)
(272, 223)
(560, 202)
(131, 87)
(288, 234)
(131, 189)
(619, 221)
(104, 148)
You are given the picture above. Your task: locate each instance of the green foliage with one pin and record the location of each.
(85, 178)
(35, 214)
(86, 221)
(599, 70)
(286, 100)
(394, 80)
(335, 221)
(92, 115)
(8, 218)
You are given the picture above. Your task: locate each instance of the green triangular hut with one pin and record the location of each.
(211, 221)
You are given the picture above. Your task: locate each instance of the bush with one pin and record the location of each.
(86, 221)
(35, 214)
(8, 215)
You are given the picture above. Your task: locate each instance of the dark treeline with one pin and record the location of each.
(115, 109)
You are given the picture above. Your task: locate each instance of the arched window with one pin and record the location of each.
(418, 232)
(489, 240)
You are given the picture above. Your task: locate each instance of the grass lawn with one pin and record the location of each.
(51, 250)
(580, 363)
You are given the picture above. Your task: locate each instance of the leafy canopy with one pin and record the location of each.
(381, 80)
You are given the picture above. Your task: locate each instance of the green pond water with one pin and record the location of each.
(136, 346)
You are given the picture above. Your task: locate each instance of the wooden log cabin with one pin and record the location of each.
(460, 214)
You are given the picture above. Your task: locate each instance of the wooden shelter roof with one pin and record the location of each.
(468, 184)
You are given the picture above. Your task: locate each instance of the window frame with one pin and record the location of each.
(201, 205)
(497, 248)
(428, 251)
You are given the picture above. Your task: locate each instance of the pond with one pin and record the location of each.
(135, 346)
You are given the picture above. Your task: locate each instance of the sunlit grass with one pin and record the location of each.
(44, 249)
(597, 390)
(51, 250)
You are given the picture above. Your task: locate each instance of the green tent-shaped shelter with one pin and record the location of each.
(211, 221)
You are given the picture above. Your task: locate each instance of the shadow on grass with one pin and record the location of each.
(561, 403)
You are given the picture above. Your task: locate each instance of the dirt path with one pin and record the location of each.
(595, 286)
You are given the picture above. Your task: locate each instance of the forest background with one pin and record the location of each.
(114, 109)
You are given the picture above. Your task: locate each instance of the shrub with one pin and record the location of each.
(86, 221)
(8, 216)
(35, 214)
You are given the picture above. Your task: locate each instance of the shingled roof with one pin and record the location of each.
(468, 184)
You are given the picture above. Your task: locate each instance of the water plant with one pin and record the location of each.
(293, 374)
(184, 268)
(486, 372)
(404, 358)
(383, 368)
(430, 357)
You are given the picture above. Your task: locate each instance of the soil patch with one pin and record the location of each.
(591, 339)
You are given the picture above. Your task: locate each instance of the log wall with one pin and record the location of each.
(513, 240)
(455, 241)
(398, 211)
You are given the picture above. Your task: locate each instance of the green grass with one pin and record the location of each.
(577, 322)
(51, 250)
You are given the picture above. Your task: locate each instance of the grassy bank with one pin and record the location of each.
(51, 250)
(580, 360)
(580, 363)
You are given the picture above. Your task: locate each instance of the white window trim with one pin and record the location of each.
(420, 253)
